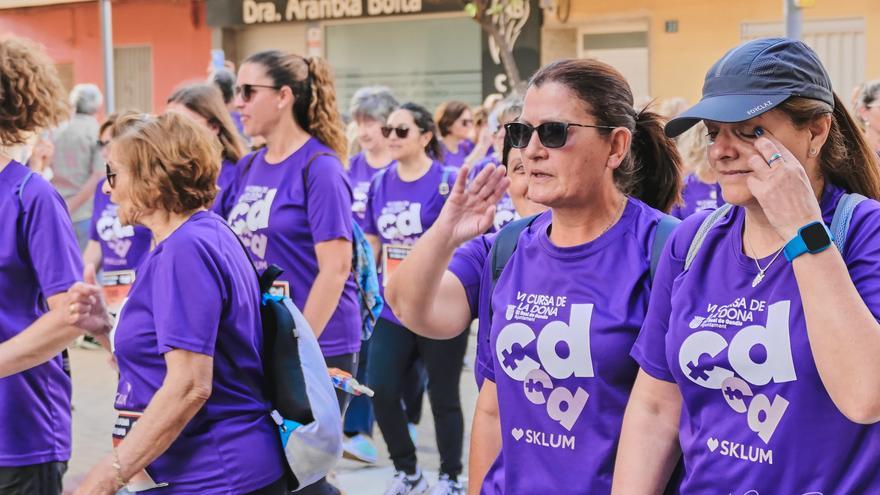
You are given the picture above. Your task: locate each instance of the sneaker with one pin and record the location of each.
(446, 486)
(413, 432)
(360, 448)
(407, 485)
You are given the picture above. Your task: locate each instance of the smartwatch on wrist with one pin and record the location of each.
(811, 238)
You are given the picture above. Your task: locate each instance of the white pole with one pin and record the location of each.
(107, 48)
(793, 20)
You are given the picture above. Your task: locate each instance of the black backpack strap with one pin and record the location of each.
(505, 244)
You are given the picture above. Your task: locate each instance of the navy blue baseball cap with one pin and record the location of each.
(753, 78)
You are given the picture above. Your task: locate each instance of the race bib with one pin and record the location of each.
(280, 288)
(116, 286)
(141, 481)
(392, 256)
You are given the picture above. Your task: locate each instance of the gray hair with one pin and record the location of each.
(507, 110)
(870, 92)
(86, 98)
(373, 102)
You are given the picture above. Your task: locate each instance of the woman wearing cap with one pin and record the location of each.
(202, 428)
(560, 321)
(39, 262)
(759, 351)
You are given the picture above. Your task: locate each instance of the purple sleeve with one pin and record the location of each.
(187, 286)
(96, 213)
(51, 242)
(467, 265)
(485, 363)
(329, 197)
(862, 254)
(650, 347)
(369, 216)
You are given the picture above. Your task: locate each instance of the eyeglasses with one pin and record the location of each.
(111, 176)
(551, 134)
(247, 90)
(401, 131)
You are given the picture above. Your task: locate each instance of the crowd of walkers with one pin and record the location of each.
(668, 299)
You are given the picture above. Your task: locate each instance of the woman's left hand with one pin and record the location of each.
(782, 188)
(101, 480)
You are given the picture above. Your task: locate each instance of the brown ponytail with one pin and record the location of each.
(323, 114)
(311, 82)
(846, 159)
(651, 171)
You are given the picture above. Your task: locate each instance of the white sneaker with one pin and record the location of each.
(406, 485)
(446, 486)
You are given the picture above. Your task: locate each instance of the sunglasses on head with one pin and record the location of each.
(551, 134)
(111, 176)
(401, 131)
(247, 90)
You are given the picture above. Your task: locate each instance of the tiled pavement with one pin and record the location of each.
(93, 392)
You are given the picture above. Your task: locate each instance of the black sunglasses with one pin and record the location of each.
(111, 176)
(402, 131)
(102, 144)
(551, 134)
(247, 90)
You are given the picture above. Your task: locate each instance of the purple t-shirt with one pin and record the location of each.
(270, 215)
(697, 196)
(39, 258)
(504, 210)
(400, 212)
(122, 246)
(360, 174)
(227, 174)
(755, 416)
(467, 265)
(456, 160)
(563, 323)
(197, 291)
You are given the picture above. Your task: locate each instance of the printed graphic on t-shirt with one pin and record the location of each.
(113, 233)
(504, 213)
(544, 359)
(738, 365)
(709, 203)
(400, 221)
(359, 201)
(249, 216)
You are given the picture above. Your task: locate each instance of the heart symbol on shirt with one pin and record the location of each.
(517, 433)
(712, 443)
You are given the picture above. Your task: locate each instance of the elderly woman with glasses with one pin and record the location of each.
(189, 336)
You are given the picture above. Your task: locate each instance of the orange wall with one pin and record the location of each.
(71, 33)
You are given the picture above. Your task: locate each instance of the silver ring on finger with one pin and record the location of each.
(773, 158)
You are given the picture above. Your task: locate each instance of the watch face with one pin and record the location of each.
(815, 236)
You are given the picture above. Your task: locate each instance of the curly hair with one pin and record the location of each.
(173, 162)
(31, 94)
(311, 81)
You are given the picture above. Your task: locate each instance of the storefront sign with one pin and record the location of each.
(238, 12)
(520, 26)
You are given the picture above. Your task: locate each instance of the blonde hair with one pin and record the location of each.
(31, 95)
(173, 161)
(693, 147)
(311, 81)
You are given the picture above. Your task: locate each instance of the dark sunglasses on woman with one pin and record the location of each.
(401, 131)
(247, 90)
(551, 134)
(111, 176)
